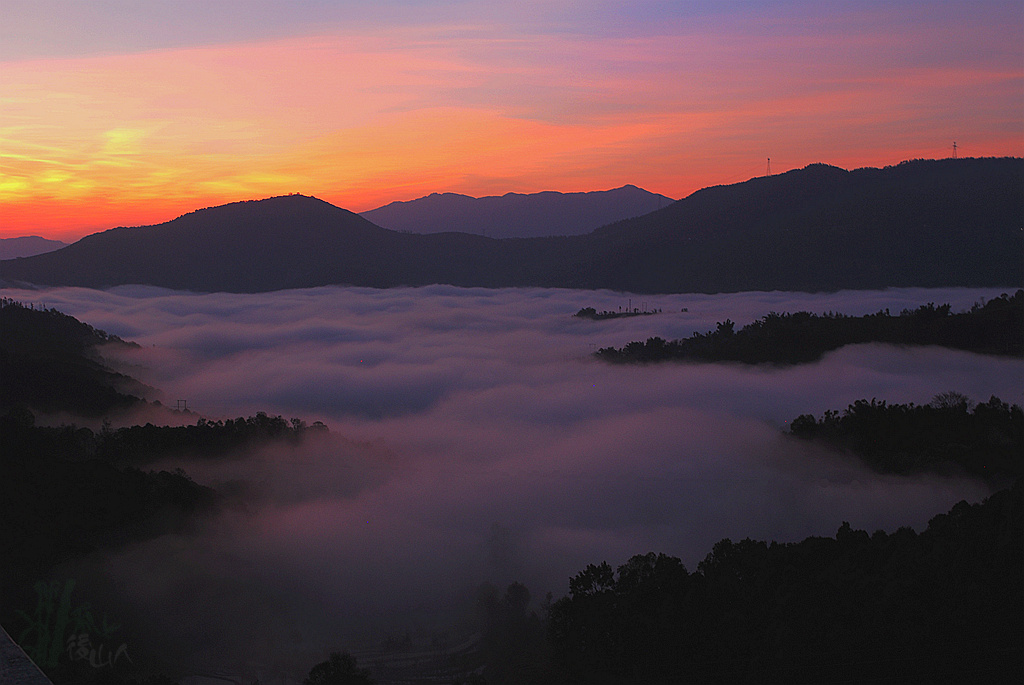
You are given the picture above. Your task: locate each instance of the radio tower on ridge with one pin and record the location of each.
(954, 149)
(768, 172)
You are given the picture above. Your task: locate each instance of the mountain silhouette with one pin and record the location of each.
(26, 246)
(926, 223)
(923, 223)
(515, 215)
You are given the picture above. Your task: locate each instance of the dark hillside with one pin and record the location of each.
(276, 243)
(925, 223)
(50, 362)
(949, 435)
(922, 223)
(997, 327)
(68, 493)
(942, 606)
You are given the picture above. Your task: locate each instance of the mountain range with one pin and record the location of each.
(929, 223)
(515, 215)
(26, 246)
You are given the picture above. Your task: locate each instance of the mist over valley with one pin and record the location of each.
(483, 343)
(474, 438)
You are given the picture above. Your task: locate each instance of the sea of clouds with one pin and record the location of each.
(474, 438)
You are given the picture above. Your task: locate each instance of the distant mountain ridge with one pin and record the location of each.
(27, 246)
(516, 215)
(928, 223)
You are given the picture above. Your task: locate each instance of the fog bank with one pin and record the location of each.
(474, 438)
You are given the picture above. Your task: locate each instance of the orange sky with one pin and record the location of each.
(361, 116)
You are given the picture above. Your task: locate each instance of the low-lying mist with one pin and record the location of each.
(474, 439)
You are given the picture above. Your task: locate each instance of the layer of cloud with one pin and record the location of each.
(475, 439)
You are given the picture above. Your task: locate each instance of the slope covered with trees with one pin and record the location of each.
(949, 434)
(67, 491)
(995, 327)
(942, 606)
(52, 362)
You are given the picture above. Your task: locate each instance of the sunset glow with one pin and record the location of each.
(362, 110)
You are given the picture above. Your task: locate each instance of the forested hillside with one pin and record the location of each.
(52, 362)
(942, 606)
(995, 327)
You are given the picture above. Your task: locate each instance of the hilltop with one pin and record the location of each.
(517, 215)
(26, 246)
(926, 223)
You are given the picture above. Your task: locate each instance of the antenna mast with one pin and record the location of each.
(768, 172)
(954, 149)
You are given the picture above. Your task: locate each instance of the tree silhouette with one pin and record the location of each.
(995, 327)
(950, 433)
(339, 669)
(939, 606)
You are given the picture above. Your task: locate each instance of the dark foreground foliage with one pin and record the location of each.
(996, 327)
(941, 606)
(512, 645)
(59, 501)
(947, 435)
(339, 669)
(66, 490)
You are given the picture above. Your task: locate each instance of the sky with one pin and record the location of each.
(474, 439)
(129, 113)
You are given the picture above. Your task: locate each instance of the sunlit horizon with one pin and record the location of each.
(155, 212)
(125, 119)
